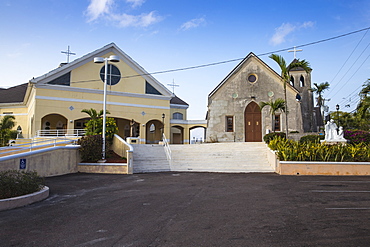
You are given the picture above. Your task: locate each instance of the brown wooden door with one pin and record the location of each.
(253, 127)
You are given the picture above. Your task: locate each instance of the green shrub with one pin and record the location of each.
(91, 148)
(311, 138)
(267, 138)
(289, 150)
(16, 183)
(357, 136)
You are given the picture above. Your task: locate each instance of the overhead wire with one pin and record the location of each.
(237, 59)
(332, 80)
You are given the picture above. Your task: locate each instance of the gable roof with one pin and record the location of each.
(177, 101)
(13, 94)
(112, 47)
(239, 66)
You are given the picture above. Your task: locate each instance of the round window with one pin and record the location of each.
(113, 74)
(252, 78)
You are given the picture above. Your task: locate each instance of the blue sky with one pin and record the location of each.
(162, 35)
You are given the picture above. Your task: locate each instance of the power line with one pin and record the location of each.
(332, 80)
(237, 59)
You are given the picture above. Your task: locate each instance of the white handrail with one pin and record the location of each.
(167, 150)
(35, 144)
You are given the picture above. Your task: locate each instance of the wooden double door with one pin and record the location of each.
(252, 123)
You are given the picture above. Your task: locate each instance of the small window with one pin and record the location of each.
(178, 115)
(252, 78)
(229, 124)
(291, 81)
(301, 81)
(277, 122)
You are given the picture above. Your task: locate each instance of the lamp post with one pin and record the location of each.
(163, 116)
(115, 59)
(337, 108)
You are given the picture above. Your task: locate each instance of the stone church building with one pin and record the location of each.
(234, 114)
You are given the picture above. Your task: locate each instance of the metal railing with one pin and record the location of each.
(60, 132)
(32, 145)
(167, 150)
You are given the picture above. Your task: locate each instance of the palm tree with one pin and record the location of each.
(6, 124)
(285, 75)
(94, 115)
(319, 89)
(276, 105)
(363, 106)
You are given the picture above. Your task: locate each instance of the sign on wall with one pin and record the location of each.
(22, 163)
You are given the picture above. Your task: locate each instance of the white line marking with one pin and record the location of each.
(334, 181)
(340, 191)
(347, 208)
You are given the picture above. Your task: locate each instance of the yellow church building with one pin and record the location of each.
(143, 108)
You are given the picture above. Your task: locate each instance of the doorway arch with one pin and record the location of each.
(252, 123)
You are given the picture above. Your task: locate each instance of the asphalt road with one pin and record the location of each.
(194, 209)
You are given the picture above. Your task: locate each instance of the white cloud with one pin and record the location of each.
(135, 3)
(143, 20)
(193, 23)
(102, 9)
(98, 8)
(285, 29)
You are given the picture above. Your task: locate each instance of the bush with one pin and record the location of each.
(267, 138)
(289, 150)
(91, 148)
(357, 136)
(16, 183)
(311, 138)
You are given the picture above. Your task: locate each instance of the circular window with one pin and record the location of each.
(252, 78)
(113, 74)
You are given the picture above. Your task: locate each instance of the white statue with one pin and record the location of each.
(331, 134)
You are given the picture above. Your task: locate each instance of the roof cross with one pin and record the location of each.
(295, 51)
(173, 85)
(68, 52)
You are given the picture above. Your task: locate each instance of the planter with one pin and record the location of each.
(20, 201)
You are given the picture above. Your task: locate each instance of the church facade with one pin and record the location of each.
(234, 114)
(141, 106)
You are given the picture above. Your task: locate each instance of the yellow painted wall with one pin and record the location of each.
(88, 76)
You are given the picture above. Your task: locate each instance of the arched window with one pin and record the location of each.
(301, 81)
(291, 81)
(178, 115)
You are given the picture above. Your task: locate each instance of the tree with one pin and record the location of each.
(364, 104)
(94, 115)
(318, 90)
(285, 75)
(6, 124)
(276, 105)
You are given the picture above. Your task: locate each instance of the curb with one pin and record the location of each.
(20, 201)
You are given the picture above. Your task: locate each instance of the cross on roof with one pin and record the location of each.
(295, 50)
(173, 85)
(68, 52)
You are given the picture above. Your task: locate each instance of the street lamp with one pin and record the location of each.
(163, 116)
(115, 59)
(337, 108)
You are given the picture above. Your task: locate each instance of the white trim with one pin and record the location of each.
(97, 91)
(179, 106)
(178, 121)
(100, 102)
(15, 114)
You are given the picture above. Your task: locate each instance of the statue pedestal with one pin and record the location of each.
(334, 142)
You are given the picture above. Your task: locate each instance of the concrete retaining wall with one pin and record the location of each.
(47, 162)
(107, 168)
(324, 168)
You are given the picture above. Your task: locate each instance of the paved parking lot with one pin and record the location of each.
(194, 209)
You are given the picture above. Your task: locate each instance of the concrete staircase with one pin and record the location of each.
(238, 157)
(150, 158)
